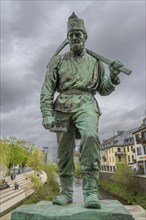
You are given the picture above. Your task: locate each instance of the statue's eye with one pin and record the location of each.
(75, 34)
(70, 35)
(78, 34)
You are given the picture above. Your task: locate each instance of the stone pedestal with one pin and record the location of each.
(44, 210)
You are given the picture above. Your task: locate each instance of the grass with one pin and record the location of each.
(130, 195)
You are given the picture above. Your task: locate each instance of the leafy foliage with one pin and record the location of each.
(47, 191)
(77, 172)
(51, 171)
(127, 195)
(124, 176)
(37, 186)
(124, 186)
(4, 152)
(35, 160)
(13, 152)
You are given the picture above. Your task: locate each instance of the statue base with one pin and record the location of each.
(45, 210)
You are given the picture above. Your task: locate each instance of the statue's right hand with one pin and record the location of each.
(47, 121)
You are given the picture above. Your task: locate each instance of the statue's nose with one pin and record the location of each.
(74, 36)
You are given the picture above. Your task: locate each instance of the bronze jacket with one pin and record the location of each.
(77, 79)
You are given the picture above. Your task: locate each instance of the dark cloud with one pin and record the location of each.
(31, 31)
(119, 120)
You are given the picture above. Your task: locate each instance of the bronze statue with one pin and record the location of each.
(77, 76)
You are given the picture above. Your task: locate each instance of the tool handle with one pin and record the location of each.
(107, 61)
(95, 55)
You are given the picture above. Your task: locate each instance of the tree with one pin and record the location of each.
(18, 152)
(36, 159)
(14, 151)
(4, 152)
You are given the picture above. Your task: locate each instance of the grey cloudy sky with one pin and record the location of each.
(31, 31)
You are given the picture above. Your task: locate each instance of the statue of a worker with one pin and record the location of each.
(77, 77)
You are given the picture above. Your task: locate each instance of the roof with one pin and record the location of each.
(121, 139)
(143, 126)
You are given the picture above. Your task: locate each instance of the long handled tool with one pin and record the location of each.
(95, 55)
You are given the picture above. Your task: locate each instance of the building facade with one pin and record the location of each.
(118, 150)
(140, 148)
(50, 154)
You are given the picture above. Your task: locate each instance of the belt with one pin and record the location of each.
(75, 91)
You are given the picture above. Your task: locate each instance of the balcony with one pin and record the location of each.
(105, 164)
(141, 141)
(141, 138)
(120, 153)
(133, 150)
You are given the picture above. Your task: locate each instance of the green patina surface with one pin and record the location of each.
(74, 114)
(110, 210)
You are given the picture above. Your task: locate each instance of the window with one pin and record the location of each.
(144, 149)
(139, 151)
(128, 158)
(119, 158)
(119, 149)
(144, 135)
(124, 149)
(128, 149)
(133, 158)
(131, 148)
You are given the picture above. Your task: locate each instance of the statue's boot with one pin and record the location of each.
(90, 185)
(66, 193)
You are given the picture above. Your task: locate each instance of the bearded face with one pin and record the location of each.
(76, 40)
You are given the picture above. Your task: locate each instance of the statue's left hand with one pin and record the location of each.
(47, 121)
(114, 67)
(114, 71)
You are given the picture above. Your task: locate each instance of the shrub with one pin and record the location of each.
(51, 171)
(77, 171)
(44, 191)
(37, 186)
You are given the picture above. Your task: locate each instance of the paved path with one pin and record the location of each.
(10, 197)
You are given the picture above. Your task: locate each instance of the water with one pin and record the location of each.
(78, 194)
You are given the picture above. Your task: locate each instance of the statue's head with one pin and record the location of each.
(76, 33)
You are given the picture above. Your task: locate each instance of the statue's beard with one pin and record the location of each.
(77, 47)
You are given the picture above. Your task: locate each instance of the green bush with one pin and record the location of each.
(129, 195)
(45, 191)
(77, 171)
(125, 177)
(37, 186)
(51, 171)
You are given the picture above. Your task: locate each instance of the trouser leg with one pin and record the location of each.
(87, 124)
(66, 144)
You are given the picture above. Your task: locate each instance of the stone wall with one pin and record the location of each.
(140, 181)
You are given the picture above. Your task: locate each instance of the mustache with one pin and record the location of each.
(75, 41)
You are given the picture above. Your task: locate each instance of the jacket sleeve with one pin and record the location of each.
(105, 84)
(49, 87)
